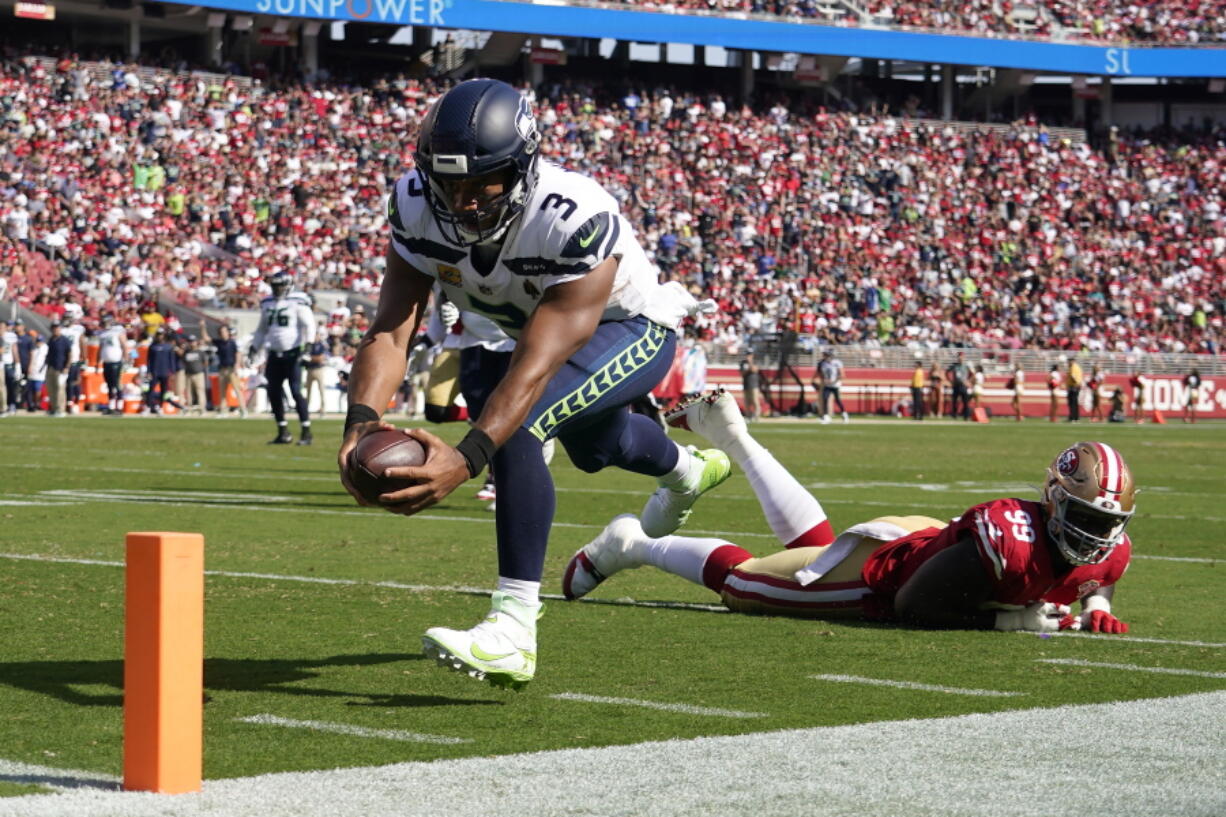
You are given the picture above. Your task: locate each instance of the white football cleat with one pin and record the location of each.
(614, 550)
(501, 649)
(715, 416)
(668, 508)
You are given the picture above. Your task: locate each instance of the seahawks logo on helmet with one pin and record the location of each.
(525, 125)
(482, 130)
(281, 283)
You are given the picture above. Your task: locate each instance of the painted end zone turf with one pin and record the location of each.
(1159, 757)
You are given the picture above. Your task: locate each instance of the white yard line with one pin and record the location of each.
(684, 709)
(412, 588)
(1077, 662)
(484, 591)
(231, 502)
(348, 729)
(1164, 757)
(1193, 559)
(168, 496)
(1130, 638)
(881, 682)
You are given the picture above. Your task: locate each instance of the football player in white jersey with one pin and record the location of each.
(112, 353)
(75, 331)
(287, 325)
(546, 255)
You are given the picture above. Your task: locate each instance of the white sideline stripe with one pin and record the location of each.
(685, 709)
(881, 682)
(1164, 762)
(347, 729)
(1077, 662)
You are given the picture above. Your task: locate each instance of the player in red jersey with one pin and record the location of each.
(1007, 564)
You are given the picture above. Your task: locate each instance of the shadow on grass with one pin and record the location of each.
(69, 681)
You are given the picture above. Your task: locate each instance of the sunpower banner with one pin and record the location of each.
(756, 35)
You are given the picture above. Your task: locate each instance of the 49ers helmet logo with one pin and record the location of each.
(1068, 462)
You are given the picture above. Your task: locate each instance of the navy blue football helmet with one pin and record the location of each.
(480, 129)
(281, 283)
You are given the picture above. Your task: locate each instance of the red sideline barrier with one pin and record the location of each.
(886, 391)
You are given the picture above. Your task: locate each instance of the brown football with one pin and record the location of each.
(377, 452)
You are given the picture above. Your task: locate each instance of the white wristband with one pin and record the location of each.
(1009, 620)
(1096, 602)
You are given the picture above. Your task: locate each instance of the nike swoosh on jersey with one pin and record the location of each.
(585, 242)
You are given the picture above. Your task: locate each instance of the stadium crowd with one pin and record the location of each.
(1151, 22)
(845, 226)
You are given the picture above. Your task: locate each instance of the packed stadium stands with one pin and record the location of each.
(851, 227)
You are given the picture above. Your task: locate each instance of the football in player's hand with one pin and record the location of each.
(378, 451)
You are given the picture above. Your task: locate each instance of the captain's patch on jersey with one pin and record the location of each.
(449, 275)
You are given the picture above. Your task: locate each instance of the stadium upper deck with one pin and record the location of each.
(1090, 37)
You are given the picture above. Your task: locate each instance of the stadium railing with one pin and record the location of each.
(807, 352)
(100, 73)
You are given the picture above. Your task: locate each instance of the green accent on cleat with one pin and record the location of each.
(668, 509)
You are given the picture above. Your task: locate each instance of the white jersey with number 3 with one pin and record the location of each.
(569, 226)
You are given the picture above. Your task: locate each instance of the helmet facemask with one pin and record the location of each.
(492, 218)
(1089, 499)
(1084, 533)
(281, 284)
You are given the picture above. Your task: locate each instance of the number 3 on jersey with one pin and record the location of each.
(1023, 525)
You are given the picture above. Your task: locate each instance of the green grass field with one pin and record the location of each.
(315, 607)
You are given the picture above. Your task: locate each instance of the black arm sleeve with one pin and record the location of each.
(947, 591)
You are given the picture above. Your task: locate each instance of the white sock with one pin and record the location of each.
(521, 590)
(789, 507)
(741, 448)
(683, 556)
(677, 478)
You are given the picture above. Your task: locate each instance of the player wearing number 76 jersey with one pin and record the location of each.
(545, 254)
(287, 325)
(1008, 564)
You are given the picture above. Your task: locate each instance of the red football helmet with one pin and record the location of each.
(1089, 497)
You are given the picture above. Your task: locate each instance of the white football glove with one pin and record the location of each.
(1040, 617)
(448, 313)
